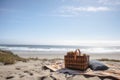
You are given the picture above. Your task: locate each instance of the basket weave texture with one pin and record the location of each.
(76, 60)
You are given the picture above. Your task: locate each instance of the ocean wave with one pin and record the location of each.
(84, 50)
(101, 50)
(34, 49)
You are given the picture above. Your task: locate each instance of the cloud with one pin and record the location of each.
(71, 10)
(109, 2)
(88, 9)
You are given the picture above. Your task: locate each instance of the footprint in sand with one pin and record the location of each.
(9, 77)
(30, 73)
(47, 78)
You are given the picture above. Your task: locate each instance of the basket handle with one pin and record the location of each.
(77, 52)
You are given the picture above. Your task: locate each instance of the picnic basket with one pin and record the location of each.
(76, 60)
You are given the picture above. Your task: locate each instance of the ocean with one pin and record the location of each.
(61, 48)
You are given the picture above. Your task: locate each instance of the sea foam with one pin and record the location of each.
(83, 49)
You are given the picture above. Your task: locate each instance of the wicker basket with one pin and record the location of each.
(76, 60)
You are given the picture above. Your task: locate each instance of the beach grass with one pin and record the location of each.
(7, 57)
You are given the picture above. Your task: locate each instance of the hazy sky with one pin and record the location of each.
(59, 21)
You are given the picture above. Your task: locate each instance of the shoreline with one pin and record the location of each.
(56, 54)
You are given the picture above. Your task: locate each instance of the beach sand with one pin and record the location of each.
(34, 69)
(56, 54)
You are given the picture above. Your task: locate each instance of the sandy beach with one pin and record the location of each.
(36, 70)
(56, 54)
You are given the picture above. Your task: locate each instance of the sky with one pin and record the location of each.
(60, 22)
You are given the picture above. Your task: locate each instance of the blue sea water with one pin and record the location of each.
(46, 48)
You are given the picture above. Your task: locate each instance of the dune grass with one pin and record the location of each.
(7, 57)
